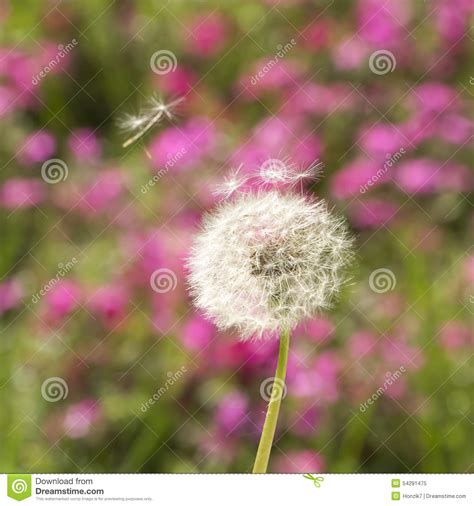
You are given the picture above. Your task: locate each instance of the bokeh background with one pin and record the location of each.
(105, 364)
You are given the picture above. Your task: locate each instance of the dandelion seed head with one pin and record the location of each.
(266, 261)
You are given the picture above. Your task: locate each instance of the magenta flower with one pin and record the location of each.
(19, 192)
(80, 418)
(208, 35)
(11, 293)
(84, 145)
(372, 213)
(37, 148)
(62, 299)
(303, 461)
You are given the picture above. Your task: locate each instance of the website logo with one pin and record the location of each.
(19, 486)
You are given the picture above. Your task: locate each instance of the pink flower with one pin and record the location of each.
(102, 193)
(381, 23)
(373, 213)
(303, 461)
(382, 140)
(21, 192)
(80, 417)
(183, 147)
(84, 145)
(426, 176)
(305, 423)
(197, 333)
(7, 101)
(62, 299)
(354, 178)
(418, 176)
(110, 302)
(455, 129)
(11, 293)
(316, 34)
(318, 329)
(361, 344)
(208, 35)
(319, 379)
(36, 148)
(351, 53)
(455, 335)
(434, 98)
(231, 413)
(179, 82)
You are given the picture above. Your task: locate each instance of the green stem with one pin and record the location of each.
(268, 431)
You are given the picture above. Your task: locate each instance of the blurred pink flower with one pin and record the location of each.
(382, 23)
(84, 145)
(62, 299)
(11, 293)
(316, 35)
(317, 329)
(433, 97)
(426, 176)
(303, 461)
(231, 413)
(455, 128)
(20, 192)
(455, 335)
(179, 82)
(305, 423)
(197, 333)
(7, 101)
(181, 148)
(318, 379)
(372, 213)
(266, 76)
(361, 344)
(110, 302)
(353, 178)
(351, 53)
(36, 148)
(206, 34)
(101, 193)
(382, 140)
(80, 417)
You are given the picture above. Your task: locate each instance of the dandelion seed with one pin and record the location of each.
(148, 117)
(231, 184)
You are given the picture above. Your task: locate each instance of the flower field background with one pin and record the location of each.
(105, 364)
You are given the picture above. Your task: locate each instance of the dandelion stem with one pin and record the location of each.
(268, 431)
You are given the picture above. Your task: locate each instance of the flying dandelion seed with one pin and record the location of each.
(231, 184)
(148, 117)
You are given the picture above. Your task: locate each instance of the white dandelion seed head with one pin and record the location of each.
(266, 261)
